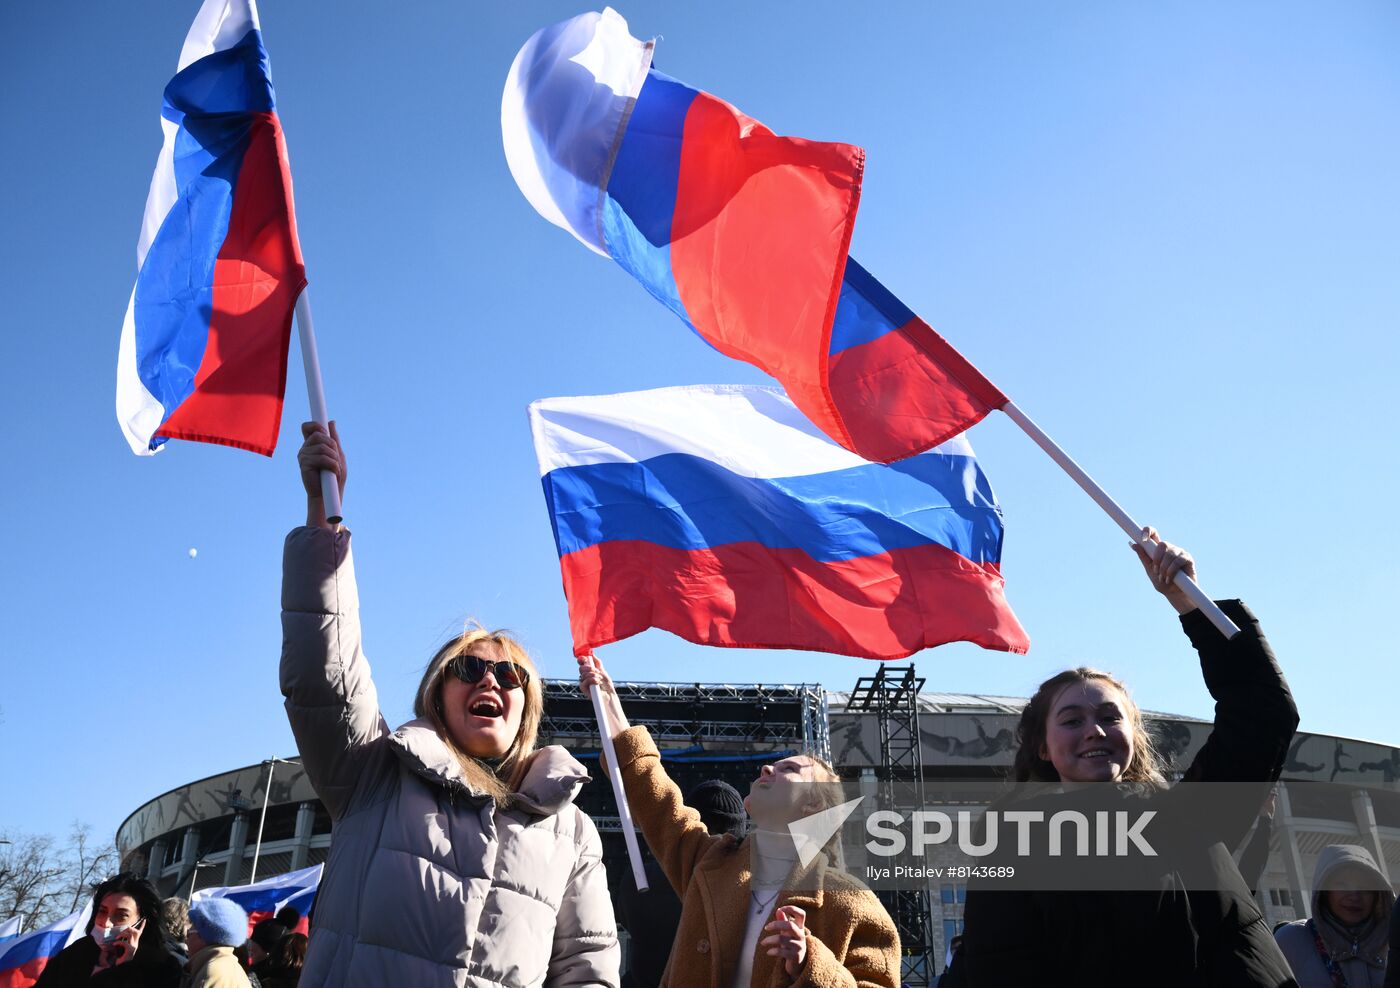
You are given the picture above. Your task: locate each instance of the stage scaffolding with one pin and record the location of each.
(892, 695)
(704, 730)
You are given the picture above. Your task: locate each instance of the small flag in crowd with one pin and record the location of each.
(722, 515)
(23, 960)
(10, 928)
(203, 351)
(261, 900)
(742, 233)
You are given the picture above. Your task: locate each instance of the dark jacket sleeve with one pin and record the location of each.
(1392, 971)
(1255, 718)
(1255, 856)
(71, 966)
(1005, 939)
(1255, 715)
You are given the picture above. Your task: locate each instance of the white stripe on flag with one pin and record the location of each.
(220, 24)
(751, 430)
(563, 112)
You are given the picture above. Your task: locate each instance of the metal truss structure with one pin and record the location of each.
(774, 717)
(892, 694)
(704, 730)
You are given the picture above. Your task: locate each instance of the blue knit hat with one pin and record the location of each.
(220, 922)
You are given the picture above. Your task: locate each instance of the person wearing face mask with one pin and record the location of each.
(752, 915)
(1349, 930)
(1185, 916)
(125, 943)
(458, 856)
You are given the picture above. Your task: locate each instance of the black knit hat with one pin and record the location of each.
(720, 805)
(268, 934)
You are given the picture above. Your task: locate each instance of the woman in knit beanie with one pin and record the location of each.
(217, 926)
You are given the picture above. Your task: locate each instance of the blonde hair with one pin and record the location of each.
(506, 779)
(827, 792)
(1144, 768)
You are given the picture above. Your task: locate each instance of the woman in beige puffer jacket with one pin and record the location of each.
(457, 856)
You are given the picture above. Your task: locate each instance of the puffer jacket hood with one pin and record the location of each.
(1359, 954)
(1337, 856)
(551, 782)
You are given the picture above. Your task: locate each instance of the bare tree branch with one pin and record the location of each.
(41, 881)
(89, 862)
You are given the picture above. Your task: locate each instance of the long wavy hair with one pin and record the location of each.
(1145, 767)
(148, 907)
(508, 775)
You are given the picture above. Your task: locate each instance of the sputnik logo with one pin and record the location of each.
(811, 833)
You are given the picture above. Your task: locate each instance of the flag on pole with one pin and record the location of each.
(742, 233)
(203, 352)
(722, 515)
(10, 928)
(23, 960)
(261, 900)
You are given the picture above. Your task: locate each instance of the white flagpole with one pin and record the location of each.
(624, 812)
(1124, 520)
(330, 487)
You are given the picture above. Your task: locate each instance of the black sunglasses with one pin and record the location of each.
(472, 669)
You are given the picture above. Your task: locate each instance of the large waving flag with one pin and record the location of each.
(722, 515)
(261, 900)
(203, 351)
(742, 233)
(23, 960)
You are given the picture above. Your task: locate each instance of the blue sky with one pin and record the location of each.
(1167, 231)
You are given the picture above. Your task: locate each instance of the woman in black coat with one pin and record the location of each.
(125, 942)
(1185, 916)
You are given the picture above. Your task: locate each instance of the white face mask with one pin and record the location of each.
(105, 935)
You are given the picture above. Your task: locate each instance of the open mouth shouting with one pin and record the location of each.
(488, 707)
(482, 702)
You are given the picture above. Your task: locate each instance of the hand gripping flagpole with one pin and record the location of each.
(330, 486)
(1125, 522)
(624, 812)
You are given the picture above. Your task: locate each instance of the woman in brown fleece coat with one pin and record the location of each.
(751, 915)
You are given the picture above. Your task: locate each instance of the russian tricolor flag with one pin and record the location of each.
(24, 959)
(204, 344)
(742, 233)
(722, 515)
(261, 900)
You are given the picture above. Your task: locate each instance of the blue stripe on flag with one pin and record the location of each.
(30, 948)
(641, 193)
(211, 101)
(686, 502)
(865, 311)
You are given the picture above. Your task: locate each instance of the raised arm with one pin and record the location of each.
(325, 678)
(1255, 715)
(672, 830)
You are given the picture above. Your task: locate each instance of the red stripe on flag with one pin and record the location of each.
(907, 391)
(237, 398)
(744, 595)
(25, 975)
(758, 245)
